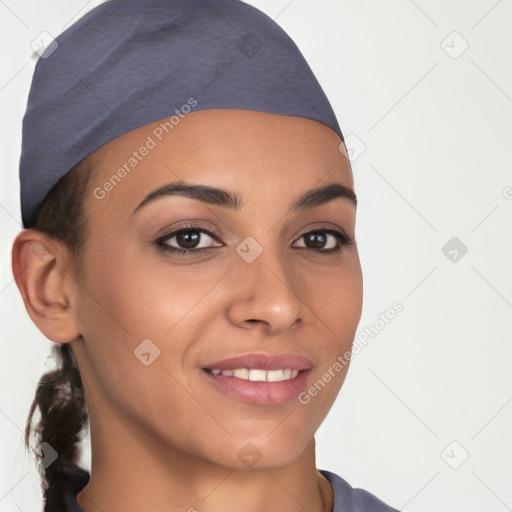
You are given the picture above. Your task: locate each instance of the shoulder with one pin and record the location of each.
(348, 499)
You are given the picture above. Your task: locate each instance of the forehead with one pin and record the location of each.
(253, 153)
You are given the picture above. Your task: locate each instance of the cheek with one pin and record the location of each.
(125, 299)
(140, 297)
(123, 302)
(334, 295)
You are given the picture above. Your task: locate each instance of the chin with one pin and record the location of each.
(263, 453)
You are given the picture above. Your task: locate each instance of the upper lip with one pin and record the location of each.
(262, 362)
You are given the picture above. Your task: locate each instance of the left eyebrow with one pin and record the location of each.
(227, 199)
(323, 195)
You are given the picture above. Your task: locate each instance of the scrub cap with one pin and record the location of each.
(128, 63)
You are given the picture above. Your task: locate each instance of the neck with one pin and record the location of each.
(133, 471)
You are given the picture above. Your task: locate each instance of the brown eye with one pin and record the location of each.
(318, 240)
(324, 241)
(188, 239)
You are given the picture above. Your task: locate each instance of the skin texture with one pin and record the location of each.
(164, 438)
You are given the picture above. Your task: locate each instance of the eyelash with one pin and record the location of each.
(343, 240)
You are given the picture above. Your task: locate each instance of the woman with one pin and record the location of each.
(189, 246)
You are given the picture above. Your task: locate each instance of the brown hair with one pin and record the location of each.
(60, 397)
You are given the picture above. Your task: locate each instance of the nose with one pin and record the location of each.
(266, 296)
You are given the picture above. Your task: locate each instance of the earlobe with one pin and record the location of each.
(39, 268)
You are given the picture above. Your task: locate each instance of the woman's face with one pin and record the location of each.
(158, 325)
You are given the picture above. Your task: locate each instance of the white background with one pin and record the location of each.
(436, 133)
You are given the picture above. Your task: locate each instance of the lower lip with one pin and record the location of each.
(261, 393)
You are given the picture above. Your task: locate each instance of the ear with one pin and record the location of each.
(40, 267)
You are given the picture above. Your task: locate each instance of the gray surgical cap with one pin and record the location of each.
(128, 63)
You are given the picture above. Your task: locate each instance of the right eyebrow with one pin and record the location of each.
(229, 199)
(204, 193)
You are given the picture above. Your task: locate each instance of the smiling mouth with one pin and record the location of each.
(260, 378)
(256, 374)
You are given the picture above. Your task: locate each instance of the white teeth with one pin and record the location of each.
(275, 375)
(242, 373)
(258, 375)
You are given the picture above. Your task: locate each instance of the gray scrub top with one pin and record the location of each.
(346, 498)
